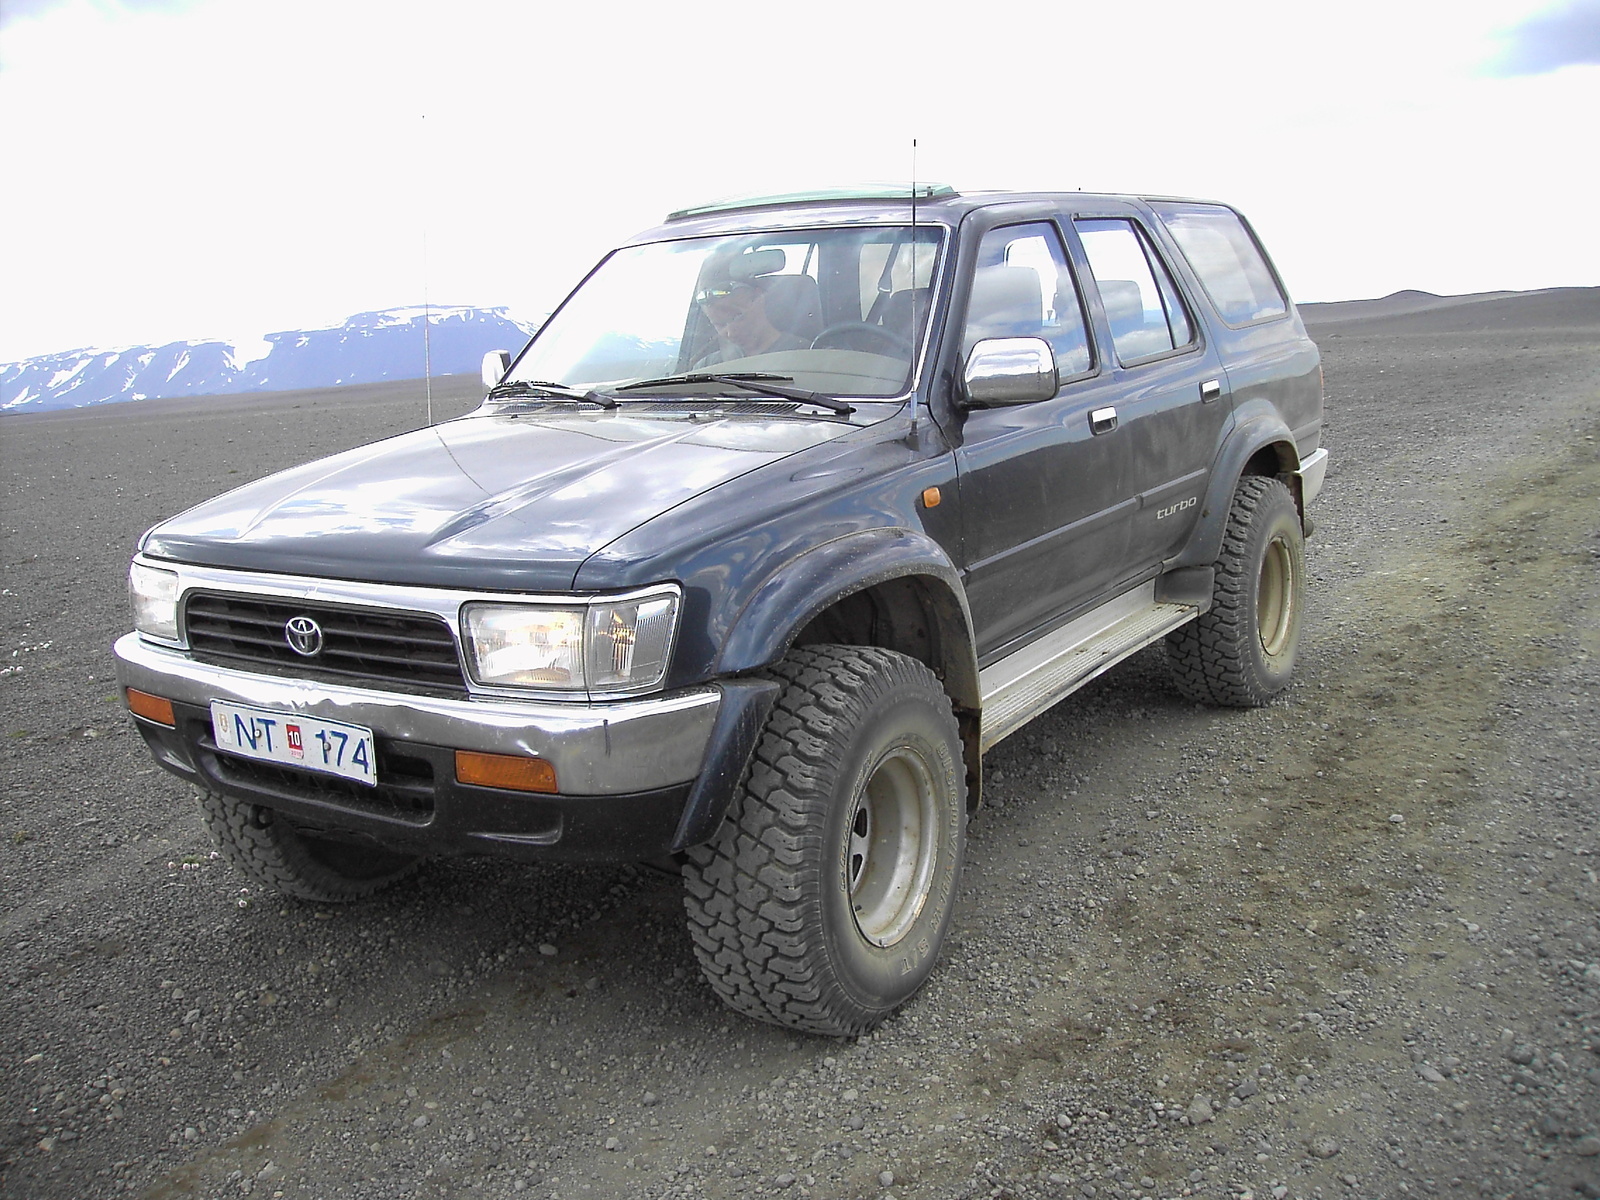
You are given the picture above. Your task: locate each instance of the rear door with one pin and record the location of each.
(1171, 394)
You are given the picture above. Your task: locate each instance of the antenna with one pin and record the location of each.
(913, 198)
(915, 316)
(427, 313)
(915, 436)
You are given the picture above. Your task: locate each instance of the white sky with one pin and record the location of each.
(199, 168)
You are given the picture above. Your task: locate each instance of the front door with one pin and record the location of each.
(1044, 498)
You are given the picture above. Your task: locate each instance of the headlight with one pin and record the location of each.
(627, 642)
(605, 645)
(154, 595)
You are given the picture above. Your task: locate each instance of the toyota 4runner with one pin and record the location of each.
(791, 510)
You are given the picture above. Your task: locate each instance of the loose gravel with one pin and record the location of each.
(1346, 945)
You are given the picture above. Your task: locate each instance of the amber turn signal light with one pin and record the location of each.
(931, 497)
(510, 771)
(151, 708)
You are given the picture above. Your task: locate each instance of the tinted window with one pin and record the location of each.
(1142, 304)
(1229, 263)
(1023, 288)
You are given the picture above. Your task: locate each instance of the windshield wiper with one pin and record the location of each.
(754, 381)
(543, 387)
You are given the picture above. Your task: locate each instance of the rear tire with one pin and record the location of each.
(1241, 653)
(275, 853)
(822, 902)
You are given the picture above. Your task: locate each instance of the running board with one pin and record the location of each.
(1022, 685)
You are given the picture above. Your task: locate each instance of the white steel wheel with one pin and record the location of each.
(891, 850)
(1277, 598)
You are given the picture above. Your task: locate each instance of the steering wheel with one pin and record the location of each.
(846, 335)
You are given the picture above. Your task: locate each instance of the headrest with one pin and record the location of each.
(1006, 302)
(792, 303)
(899, 309)
(1123, 301)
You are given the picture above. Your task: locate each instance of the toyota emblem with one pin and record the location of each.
(304, 636)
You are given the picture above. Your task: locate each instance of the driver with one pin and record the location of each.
(737, 310)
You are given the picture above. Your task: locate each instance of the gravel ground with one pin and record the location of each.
(1348, 945)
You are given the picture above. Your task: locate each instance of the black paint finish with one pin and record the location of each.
(768, 518)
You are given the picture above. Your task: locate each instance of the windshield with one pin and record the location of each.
(835, 311)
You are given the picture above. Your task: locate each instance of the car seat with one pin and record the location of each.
(905, 313)
(793, 305)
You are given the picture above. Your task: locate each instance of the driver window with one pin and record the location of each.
(1023, 288)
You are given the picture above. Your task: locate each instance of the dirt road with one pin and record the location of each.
(1348, 945)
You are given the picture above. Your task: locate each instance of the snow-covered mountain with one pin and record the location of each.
(366, 348)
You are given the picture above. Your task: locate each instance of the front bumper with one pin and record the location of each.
(638, 778)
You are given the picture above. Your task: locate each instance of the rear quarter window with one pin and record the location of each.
(1229, 263)
(1142, 304)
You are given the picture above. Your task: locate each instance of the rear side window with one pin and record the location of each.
(1230, 264)
(1143, 306)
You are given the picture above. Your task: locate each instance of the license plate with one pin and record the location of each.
(331, 747)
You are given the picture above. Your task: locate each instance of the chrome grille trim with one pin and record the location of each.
(369, 645)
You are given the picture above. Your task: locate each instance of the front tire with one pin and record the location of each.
(1241, 653)
(275, 853)
(823, 900)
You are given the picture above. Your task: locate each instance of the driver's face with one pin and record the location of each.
(739, 316)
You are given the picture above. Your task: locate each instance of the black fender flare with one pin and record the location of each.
(797, 591)
(1256, 427)
(782, 604)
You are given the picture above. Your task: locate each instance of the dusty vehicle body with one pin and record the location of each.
(788, 513)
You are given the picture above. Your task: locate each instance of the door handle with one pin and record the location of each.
(1210, 390)
(1102, 420)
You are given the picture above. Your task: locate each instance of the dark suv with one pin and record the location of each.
(790, 511)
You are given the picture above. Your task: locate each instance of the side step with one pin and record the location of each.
(1022, 685)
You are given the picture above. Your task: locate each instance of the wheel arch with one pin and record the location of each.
(1260, 444)
(891, 588)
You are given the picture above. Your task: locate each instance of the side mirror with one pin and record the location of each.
(495, 365)
(1017, 370)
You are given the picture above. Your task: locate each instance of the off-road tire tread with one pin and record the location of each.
(751, 892)
(274, 855)
(1210, 657)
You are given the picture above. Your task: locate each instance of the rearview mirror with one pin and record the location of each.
(495, 364)
(1017, 370)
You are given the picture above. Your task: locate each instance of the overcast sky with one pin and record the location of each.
(221, 168)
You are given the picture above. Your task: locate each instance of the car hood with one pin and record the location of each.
(491, 501)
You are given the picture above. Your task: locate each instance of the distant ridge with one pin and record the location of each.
(1425, 312)
(368, 347)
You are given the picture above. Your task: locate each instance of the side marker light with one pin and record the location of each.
(151, 708)
(512, 772)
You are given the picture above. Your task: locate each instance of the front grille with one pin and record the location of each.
(408, 651)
